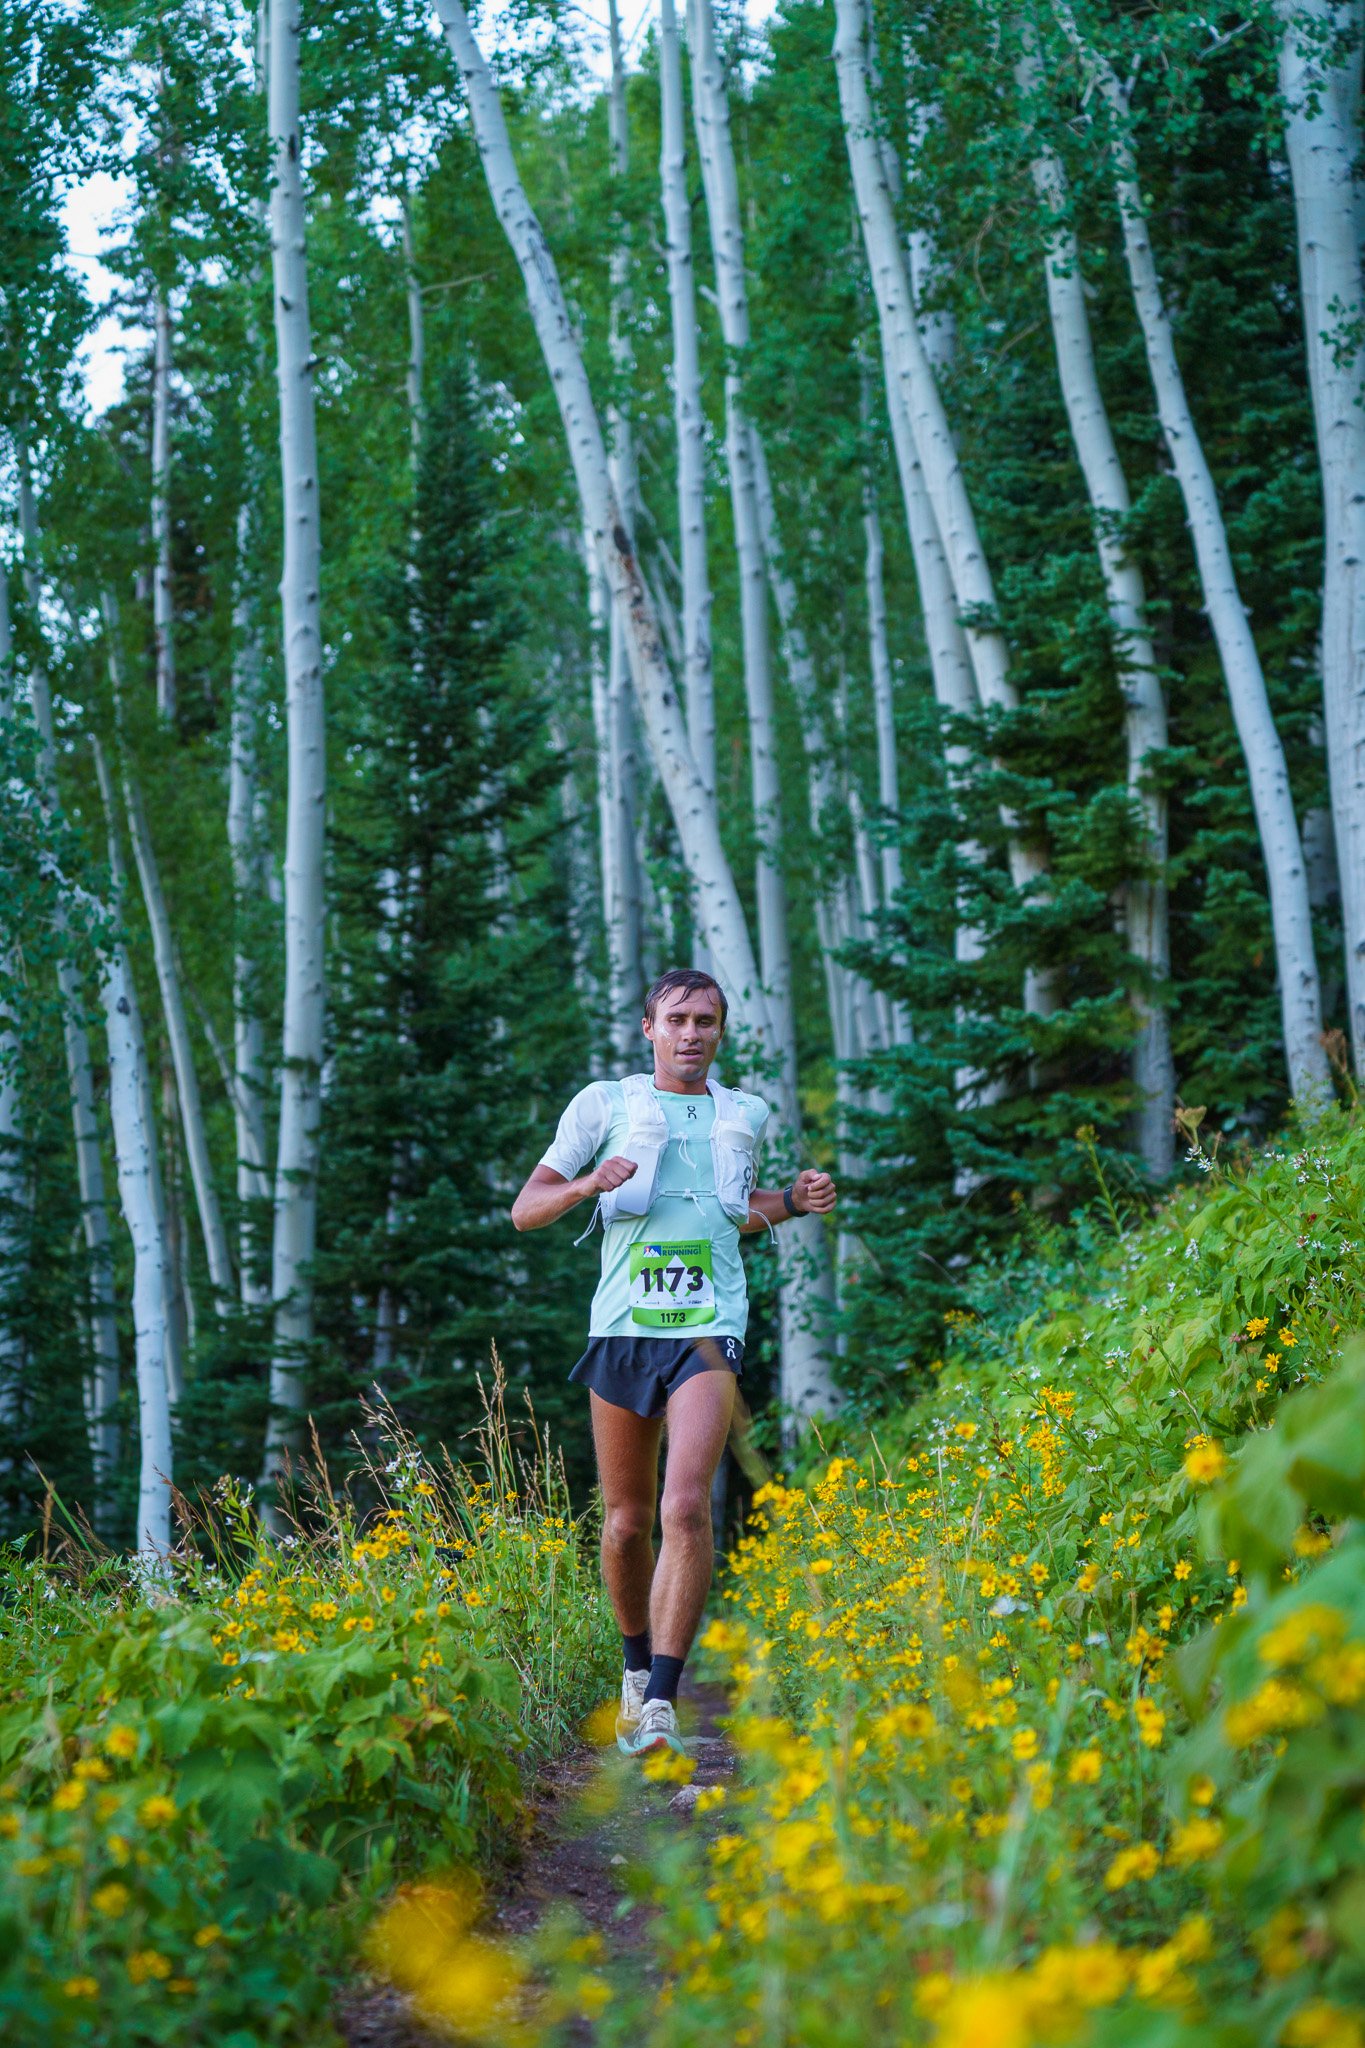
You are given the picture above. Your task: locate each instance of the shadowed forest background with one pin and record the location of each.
(1004, 857)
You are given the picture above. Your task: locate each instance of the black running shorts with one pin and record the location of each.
(640, 1373)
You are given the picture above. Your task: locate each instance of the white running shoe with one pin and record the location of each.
(657, 1728)
(633, 1685)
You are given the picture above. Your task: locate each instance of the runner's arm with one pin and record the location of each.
(813, 1194)
(548, 1195)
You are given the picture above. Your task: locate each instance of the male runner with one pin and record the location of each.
(666, 1339)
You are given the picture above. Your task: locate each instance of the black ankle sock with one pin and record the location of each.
(637, 1651)
(664, 1673)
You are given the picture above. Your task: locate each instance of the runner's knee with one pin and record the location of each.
(628, 1522)
(686, 1510)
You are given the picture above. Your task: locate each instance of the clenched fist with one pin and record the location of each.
(611, 1174)
(813, 1193)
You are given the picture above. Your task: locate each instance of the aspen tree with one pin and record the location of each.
(721, 914)
(102, 1392)
(918, 416)
(805, 1278)
(1267, 770)
(172, 999)
(15, 1194)
(1146, 921)
(250, 885)
(1320, 65)
(247, 835)
(163, 615)
(688, 411)
(144, 1207)
(304, 990)
(613, 709)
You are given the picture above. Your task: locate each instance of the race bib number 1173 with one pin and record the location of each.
(671, 1285)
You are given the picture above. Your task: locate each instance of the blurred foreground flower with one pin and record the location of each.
(424, 1944)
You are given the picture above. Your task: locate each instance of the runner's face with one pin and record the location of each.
(685, 1033)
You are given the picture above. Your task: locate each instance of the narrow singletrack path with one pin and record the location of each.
(575, 1854)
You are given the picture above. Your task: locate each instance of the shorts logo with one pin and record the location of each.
(730, 1351)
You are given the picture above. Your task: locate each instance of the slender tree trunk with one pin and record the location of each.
(688, 411)
(304, 992)
(693, 808)
(144, 1211)
(15, 1193)
(618, 791)
(1147, 925)
(913, 397)
(805, 1275)
(883, 705)
(101, 1394)
(1323, 140)
(417, 330)
(173, 1006)
(1268, 773)
(163, 626)
(246, 845)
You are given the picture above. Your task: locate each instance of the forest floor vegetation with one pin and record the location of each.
(1047, 1695)
(211, 1774)
(1045, 1698)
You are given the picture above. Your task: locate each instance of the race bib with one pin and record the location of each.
(671, 1285)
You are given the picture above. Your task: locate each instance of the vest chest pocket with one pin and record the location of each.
(732, 1149)
(672, 1286)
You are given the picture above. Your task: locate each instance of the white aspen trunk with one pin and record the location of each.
(581, 878)
(1323, 142)
(163, 624)
(15, 1193)
(1146, 919)
(912, 388)
(101, 1391)
(246, 846)
(688, 411)
(877, 1029)
(417, 330)
(173, 1007)
(143, 1204)
(1267, 770)
(622, 899)
(304, 929)
(805, 1275)
(618, 796)
(884, 714)
(721, 913)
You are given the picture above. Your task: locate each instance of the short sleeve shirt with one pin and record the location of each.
(594, 1127)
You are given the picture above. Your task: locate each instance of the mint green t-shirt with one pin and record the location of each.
(687, 1240)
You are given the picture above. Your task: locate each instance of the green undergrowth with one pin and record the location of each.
(1049, 1694)
(210, 1774)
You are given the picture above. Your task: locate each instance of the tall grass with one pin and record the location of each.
(209, 1774)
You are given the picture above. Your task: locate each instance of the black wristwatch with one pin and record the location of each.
(787, 1201)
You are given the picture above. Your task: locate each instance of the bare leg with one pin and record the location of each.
(698, 1425)
(627, 1449)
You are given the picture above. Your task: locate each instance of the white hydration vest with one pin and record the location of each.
(732, 1153)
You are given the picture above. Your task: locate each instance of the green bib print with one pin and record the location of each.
(672, 1286)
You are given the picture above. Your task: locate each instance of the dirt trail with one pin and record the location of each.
(573, 1856)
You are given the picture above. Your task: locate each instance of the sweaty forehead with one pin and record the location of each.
(690, 1002)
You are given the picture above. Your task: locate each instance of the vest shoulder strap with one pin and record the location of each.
(642, 1111)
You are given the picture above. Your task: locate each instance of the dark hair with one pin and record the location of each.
(687, 980)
